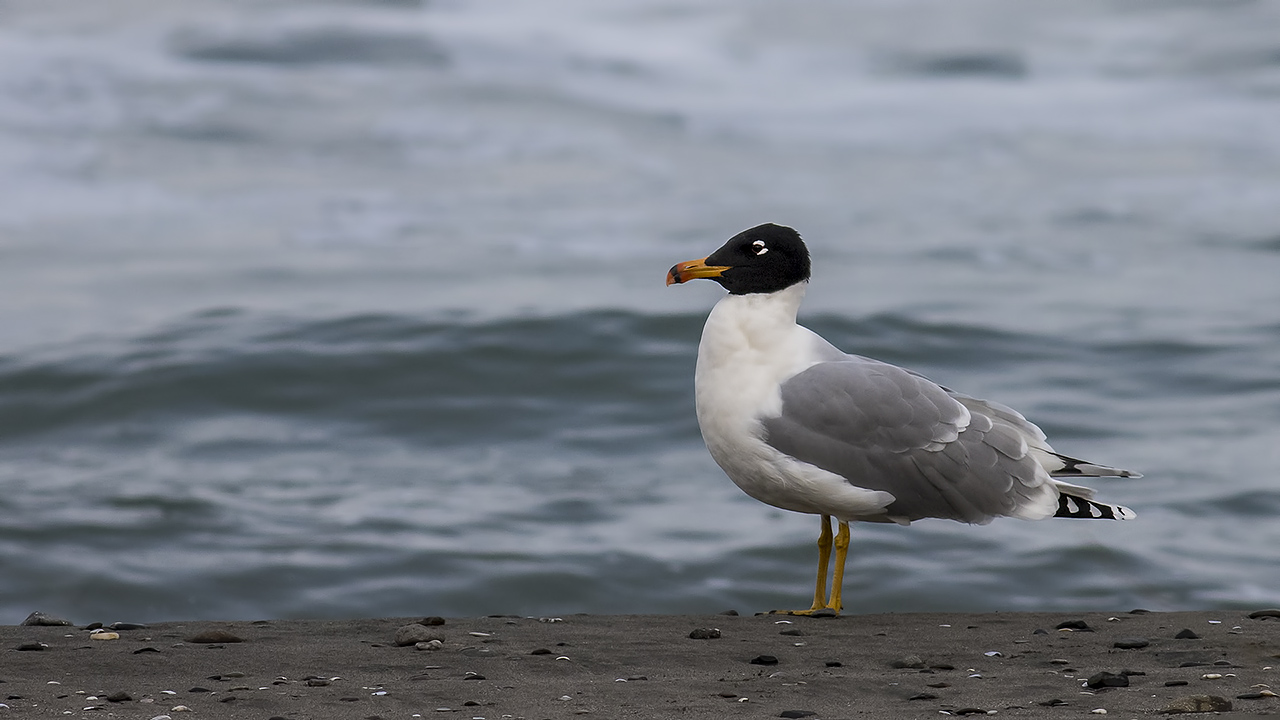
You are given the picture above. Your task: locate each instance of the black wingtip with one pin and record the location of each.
(1070, 506)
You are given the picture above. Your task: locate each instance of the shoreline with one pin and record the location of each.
(642, 666)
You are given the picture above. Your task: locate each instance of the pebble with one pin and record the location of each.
(39, 618)
(211, 637)
(1131, 643)
(764, 660)
(1186, 634)
(1106, 679)
(704, 633)
(1076, 625)
(127, 626)
(27, 646)
(104, 635)
(431, 620)
(1098, 711)
(147, 649)
(908, 661)
(792, 632)
(429, 645)
(1175, 683)
(1256, 695)
(796, 713)
(923, 696)
(1198, 704)
(119, 696)
(413, 633)
(1255, 615)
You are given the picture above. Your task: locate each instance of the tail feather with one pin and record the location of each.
(1071, 506)
(1074, 467)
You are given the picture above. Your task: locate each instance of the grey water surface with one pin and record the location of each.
(343, 308)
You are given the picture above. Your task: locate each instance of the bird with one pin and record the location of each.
(801, 425)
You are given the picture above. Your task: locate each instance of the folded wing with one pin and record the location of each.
(940, 454)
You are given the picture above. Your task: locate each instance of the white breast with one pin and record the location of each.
(751, 344)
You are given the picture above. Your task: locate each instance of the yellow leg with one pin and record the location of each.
(824, 560)
(842, 553)
(824, 563)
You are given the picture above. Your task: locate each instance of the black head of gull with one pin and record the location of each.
(800, 425)
(765, 259)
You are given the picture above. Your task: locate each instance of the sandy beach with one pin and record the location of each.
(644, 666)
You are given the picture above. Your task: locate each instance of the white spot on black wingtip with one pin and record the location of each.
(1070, 506)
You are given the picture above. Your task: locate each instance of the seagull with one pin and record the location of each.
(800, 425)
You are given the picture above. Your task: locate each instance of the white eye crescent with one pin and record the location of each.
(759, 247)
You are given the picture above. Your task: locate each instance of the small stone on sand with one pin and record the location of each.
(413, 633)
(1198, 704)
(1131, 643)
(39, 618)
(1106, 679)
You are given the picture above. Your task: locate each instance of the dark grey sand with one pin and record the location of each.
(595, 666)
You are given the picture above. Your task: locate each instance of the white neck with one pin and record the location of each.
(758, 318)
(747, 348)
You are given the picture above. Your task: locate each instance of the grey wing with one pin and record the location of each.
(884, 428)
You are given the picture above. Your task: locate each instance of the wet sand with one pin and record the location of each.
(601, 666)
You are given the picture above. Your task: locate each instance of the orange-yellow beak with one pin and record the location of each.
(692, 270)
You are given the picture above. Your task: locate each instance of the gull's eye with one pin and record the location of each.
(758, 247)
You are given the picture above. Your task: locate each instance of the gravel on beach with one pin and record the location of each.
(632, 666)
